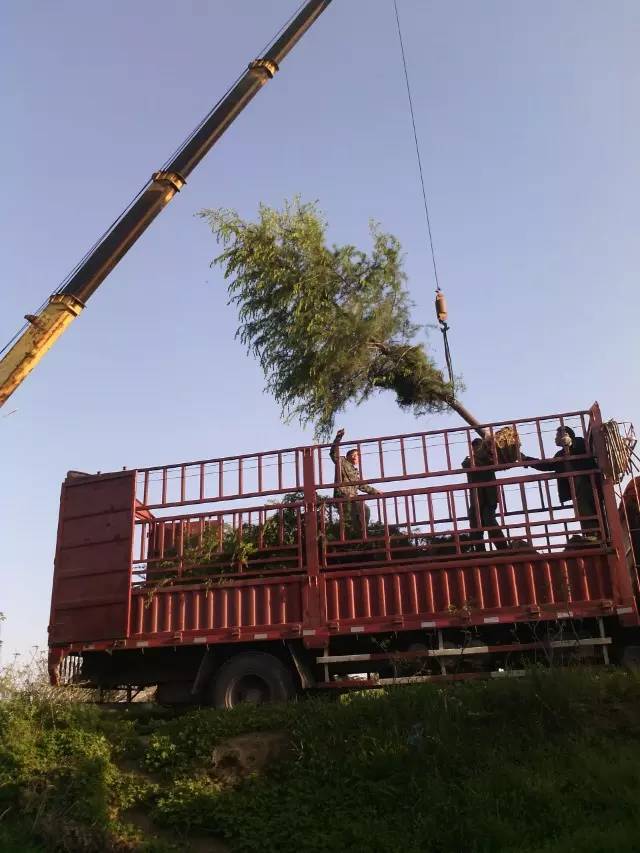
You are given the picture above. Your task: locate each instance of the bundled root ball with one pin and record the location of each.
(506, 442)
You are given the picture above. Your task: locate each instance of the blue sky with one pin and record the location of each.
(529, 121)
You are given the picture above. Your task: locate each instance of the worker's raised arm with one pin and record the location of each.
(334, 451)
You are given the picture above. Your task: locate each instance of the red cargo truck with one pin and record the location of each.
(244, 579)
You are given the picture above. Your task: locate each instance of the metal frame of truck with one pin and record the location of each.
(242, 579)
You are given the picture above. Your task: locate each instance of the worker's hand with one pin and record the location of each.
(339, 434)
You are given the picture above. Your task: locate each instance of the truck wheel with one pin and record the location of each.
(251, 677)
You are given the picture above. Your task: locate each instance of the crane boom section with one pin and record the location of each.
(45, 327)
(42, 332)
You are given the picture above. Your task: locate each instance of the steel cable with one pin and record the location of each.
(415, 137)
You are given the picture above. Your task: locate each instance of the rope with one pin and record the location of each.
(415, 137)
(444, 327)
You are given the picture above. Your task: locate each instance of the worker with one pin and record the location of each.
(483, 500)
(630, 516)
(562, 463)
(348, 485)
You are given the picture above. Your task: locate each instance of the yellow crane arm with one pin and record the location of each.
(43, 331)
(64, 306)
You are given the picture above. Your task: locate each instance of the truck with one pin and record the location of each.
(245, 579)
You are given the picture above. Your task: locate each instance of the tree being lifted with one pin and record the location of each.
(328, 325)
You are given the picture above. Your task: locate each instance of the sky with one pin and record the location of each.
(529, 123)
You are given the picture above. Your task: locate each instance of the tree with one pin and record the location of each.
(329, 325)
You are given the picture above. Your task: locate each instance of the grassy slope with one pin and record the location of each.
(546, 764)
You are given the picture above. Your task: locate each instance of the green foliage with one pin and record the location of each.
(16, 837)
(218, 550)
(546, 764)
(55, 763)
(270, 546)
(498, 767)
(180, 746)
(222, 549)
(418, 383)
(329, 325)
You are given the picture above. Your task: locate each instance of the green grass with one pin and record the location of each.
(546, 764)
(17, 837)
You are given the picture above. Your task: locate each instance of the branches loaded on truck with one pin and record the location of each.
(249, 578)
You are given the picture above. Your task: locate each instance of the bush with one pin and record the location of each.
(544, 764)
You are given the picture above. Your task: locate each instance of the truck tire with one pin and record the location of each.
(251, 677)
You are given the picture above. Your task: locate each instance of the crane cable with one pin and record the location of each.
(442, 314)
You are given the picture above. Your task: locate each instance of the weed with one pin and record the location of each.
(544, 764)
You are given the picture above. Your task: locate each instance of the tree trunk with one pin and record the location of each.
(466, 415)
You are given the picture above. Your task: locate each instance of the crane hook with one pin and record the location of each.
(441, 306)
(442, 314)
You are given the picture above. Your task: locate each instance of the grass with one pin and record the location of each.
(545, 764)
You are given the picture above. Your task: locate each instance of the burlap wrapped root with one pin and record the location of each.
(503, 447)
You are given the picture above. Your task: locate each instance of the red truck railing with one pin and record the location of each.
(390, 459)
(256, 546)
(425, 503)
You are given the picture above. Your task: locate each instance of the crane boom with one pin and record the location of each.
(45, 327)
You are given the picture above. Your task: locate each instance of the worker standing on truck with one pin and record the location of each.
(356, 513)
(563, 463)
(483, 500)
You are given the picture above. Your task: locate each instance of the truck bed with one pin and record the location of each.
(255, 547)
